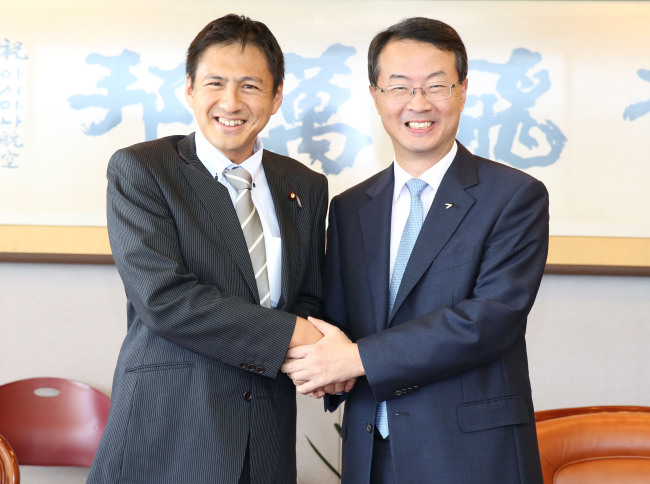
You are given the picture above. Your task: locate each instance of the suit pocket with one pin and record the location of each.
(490, 414)
(176, 365)
(452, 257)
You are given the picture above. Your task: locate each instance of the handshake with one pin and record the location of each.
(329, 365)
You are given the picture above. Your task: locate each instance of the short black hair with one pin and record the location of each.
(419, 29)
(237, 29)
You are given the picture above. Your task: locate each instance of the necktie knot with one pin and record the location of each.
(239, 178)
(415, 187)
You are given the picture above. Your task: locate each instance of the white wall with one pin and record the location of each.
(587, 337)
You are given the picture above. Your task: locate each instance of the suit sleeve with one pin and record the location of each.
(164, 295)
(451, 340)
(309, 301)
(335, 294)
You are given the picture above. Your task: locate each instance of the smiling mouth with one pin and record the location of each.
(230, 122)
(419, 125)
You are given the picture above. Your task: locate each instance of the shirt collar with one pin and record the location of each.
(433, 176)
(215, 161)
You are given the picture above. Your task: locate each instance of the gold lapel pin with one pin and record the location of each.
(293, 196)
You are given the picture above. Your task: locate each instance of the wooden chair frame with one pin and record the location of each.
(9, 469)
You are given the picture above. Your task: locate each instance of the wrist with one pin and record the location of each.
(304, 333)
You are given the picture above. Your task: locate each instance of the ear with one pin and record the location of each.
(189, 91)
(374, 93)
(277, 99)
(463, 92)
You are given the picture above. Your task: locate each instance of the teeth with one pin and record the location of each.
(230, 122)
(415, 125)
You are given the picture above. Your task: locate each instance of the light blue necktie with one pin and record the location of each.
(409, 236)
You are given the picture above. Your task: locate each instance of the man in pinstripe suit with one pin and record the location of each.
(197, 394)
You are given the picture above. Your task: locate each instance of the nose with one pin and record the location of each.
(230, 99)
(418, 102)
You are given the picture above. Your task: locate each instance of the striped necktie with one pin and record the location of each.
(251, 226)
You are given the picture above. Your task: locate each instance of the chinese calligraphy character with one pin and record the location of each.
(310, 118)
(9, 50)
(119, 95)
(8, 159)
(515, 124)
(9, 146)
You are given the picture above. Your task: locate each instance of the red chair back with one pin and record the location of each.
(53, 421)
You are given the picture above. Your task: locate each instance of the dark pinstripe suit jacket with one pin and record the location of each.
(198, 378)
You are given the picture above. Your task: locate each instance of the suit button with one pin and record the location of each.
(243, 365)
(398, 393)
(248, 396)
(416, 387)
(260, 369)
(251, 367)
(369, 427)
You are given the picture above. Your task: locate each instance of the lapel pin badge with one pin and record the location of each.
(293, 196)
(448, 206)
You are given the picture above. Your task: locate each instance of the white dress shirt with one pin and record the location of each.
(402, 198)
(216, 162)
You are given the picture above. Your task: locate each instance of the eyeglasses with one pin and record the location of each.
(433, 91)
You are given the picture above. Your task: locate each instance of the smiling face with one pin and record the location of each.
(422, 131)
(232, 97)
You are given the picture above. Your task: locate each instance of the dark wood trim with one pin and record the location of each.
(56, 258)
(594, 270)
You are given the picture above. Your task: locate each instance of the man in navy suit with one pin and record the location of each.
(432, 267)
(213, 305)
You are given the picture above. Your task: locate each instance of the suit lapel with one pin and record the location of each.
(280, 187)
(448, 209)
(216, 200)
(374, 219)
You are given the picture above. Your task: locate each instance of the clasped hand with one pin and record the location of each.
(330, 365)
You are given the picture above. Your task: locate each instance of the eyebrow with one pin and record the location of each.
(403, 77)
(216, 77)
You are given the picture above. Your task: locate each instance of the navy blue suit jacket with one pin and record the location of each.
(450, 361)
